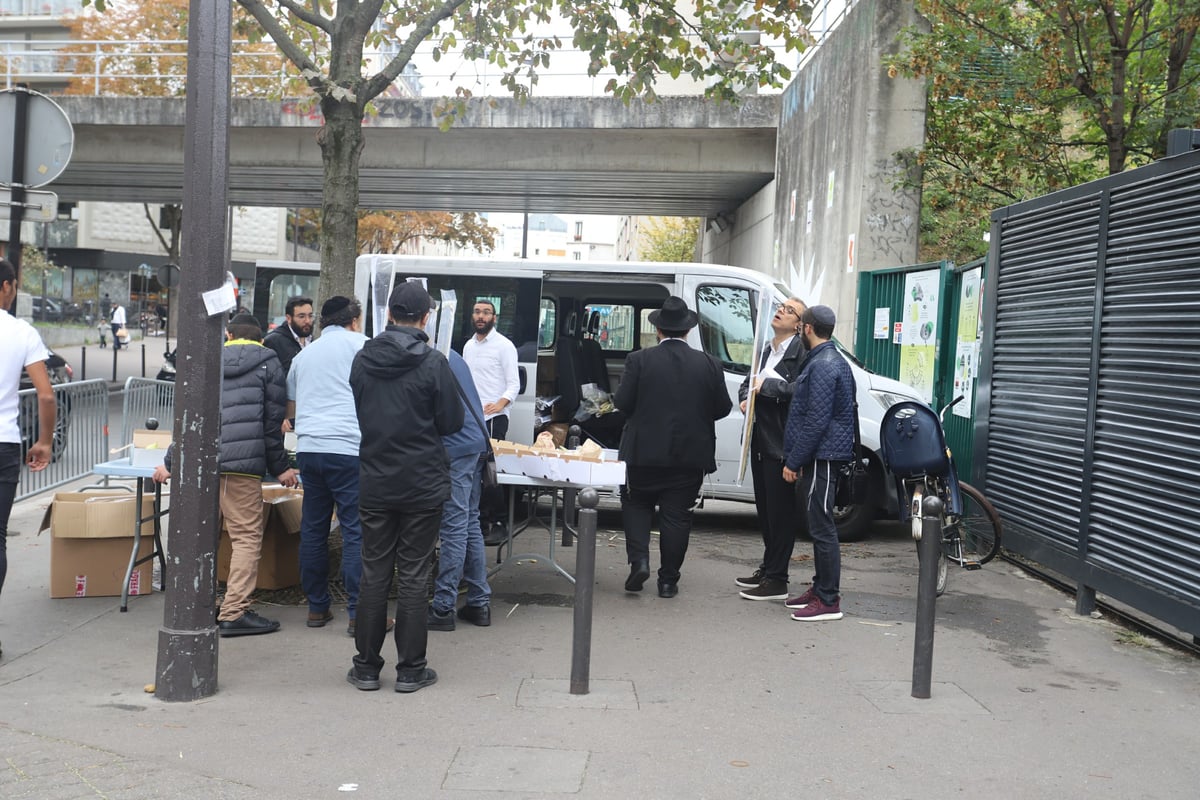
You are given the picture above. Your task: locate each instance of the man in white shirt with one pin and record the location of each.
(118, 322)
(23, 349)
(493, 362)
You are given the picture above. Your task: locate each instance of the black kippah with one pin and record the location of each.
(334, 304)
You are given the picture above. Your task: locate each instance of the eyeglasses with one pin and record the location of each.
(786, 309)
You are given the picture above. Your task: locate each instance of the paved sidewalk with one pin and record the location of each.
(702, 696)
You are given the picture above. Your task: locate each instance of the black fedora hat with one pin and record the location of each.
(673, 316)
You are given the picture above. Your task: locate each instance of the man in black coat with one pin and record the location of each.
(774, 498)
(672, 396)
(288, 339)
(406, 399)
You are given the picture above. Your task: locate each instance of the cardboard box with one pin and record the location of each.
(279, 566)
(96, 567)
(105, 514)
(91, 538)
(149, 447)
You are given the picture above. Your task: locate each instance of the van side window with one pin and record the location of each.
(547, 323)
(727, 325)
(613, 326)
(516, 299)
(647, 335)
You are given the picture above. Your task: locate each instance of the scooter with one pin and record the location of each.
(167, 371)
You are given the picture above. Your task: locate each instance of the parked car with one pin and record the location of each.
(60, 372)
(47, 310)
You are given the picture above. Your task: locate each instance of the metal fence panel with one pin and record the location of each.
(1090, 385)
(146, 399)
(1148, 403)
(80, 434)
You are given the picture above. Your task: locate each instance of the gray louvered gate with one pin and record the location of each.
(1088, 439)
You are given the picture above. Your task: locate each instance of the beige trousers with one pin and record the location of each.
(242, 511)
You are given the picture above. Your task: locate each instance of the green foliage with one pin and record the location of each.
(1026, 98)
(669, 239)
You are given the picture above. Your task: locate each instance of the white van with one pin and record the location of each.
(574, 324)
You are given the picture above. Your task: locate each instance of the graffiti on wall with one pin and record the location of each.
(892, 212)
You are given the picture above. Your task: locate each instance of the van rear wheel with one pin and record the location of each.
(854, 522)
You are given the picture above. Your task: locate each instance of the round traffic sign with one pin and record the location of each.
(49, 138)
(168, 275)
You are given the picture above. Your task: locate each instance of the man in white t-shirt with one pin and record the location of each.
(23, 349)
(118, 321)
(493, 362)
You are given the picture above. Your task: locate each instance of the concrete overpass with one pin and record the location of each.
(678, 156)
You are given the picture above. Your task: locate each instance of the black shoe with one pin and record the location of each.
(751, 581)
(639, 572)
(318, 619)
(769, 589)
(247, 624)
(364, 683)
(412, 680)
(667, 590)
(476, 615)
(439, 622)
(496, 534)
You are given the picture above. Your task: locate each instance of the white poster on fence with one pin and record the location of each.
(920, 316)
(966, 349)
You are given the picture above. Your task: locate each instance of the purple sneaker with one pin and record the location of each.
(817, 611)
(800, 601)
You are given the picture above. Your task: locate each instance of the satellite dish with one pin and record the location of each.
(49, 138)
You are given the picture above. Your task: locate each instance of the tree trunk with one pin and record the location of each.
(341, 141)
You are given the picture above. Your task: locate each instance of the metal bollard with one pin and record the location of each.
(928, 548)
(143, 359)
(585, 579)
(570, 495)
(83, 363)
(114, 352)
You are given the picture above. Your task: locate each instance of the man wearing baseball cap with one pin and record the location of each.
(818, 440)
(406, 399)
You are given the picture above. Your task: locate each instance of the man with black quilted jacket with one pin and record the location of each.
(253, 402)
(818, 440)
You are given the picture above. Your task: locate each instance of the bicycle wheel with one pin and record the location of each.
(978, 526)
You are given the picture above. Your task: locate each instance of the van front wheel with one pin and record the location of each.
(854, 522)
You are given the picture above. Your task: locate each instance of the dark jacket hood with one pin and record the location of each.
(240, 356)
(398, 349)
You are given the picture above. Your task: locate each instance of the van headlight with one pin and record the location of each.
(888, 399)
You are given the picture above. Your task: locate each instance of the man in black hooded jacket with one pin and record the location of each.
(406, 399)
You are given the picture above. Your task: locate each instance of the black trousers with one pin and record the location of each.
(403, 539)
(493, 500)
(673, 493)
(10, 471)
(779, 514)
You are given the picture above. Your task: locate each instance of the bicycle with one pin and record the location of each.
(913, 446)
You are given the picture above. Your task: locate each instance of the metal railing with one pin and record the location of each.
(159, 69)
(80, 434)
(146, 399)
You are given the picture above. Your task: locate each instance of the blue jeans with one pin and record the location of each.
(329, 479)
(462, 554)
(817, 492)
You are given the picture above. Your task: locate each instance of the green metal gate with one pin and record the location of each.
(893, 304)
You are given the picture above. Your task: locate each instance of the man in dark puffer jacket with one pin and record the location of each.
(818, 440)
(253, 402)
(407, 399)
